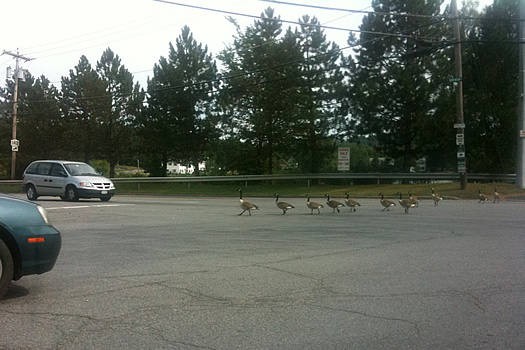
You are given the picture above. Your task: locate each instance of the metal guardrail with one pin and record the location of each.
(430, 177)
(373, 176)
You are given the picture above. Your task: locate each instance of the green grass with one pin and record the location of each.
(299, 189)
(10, 188)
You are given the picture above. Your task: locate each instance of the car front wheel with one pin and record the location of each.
(6, 268)
(71, 194)
(31, 193)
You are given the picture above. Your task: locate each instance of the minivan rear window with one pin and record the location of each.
(43, 168)
(32, 168)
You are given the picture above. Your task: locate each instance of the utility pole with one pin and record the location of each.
(520, 173)
(458, 79)
(14, 142)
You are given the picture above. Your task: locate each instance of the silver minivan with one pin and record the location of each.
(68, 180)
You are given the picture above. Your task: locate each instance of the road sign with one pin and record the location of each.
(461, 154)
(459, 126)
(343, 159)
(461, 166)
(14, 145)
(455, 80)
(460, 139)
(343, 165)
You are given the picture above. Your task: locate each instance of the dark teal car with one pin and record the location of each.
(29, 244)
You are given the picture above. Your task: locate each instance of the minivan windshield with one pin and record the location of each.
(76, 169)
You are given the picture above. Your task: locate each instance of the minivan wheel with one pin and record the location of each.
(31, 193)
(6, 268)
(71, 194)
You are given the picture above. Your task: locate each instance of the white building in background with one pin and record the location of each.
(178, 169)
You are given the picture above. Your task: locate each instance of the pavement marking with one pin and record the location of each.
(89, 206)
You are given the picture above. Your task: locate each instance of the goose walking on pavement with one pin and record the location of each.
(351, 203)
(313, 205)
(282, 205)
(386, 203)
(245, 205)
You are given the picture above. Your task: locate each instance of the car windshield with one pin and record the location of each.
(76, 169)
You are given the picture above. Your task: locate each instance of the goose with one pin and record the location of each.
(413, 199)
(246, 205)
(351, 203)
(335, 205)
(482, 198)
(313, 205)
(436, 197)
(405, 203)
(282, 205)
(386, 203)
(497, 196)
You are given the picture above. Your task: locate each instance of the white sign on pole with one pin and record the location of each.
(14, 145)
(343, 159)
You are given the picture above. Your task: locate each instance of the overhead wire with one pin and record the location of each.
(192, 6)
(259, 17)
(209, 9)
(383, 13)
(275, 19)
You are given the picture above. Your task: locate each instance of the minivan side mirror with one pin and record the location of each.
(62, 173)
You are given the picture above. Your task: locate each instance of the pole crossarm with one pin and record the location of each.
(16, 55)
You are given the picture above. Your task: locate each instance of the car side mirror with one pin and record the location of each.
(62, 173)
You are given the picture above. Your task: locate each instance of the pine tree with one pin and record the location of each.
(393, 84)
(81, 94)
(117, 108)
(179, 119)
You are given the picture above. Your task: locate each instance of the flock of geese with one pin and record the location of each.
(406, 203)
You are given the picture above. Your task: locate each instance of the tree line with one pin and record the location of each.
(281, 99)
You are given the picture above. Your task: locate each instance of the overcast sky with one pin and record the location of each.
(56, 33)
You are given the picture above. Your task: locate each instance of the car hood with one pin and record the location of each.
(92, 179)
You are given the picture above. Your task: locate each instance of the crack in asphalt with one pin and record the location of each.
(396, 319)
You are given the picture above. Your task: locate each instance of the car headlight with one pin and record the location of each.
(86, 184)
(43, 214)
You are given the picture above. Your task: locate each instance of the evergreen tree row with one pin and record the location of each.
(281, 100)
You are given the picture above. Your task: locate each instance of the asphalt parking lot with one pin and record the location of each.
(143, 272)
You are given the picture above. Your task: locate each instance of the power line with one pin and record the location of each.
(315, 25)
(280, 20)
(383, 13)
(351, 11)
(191, 6)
